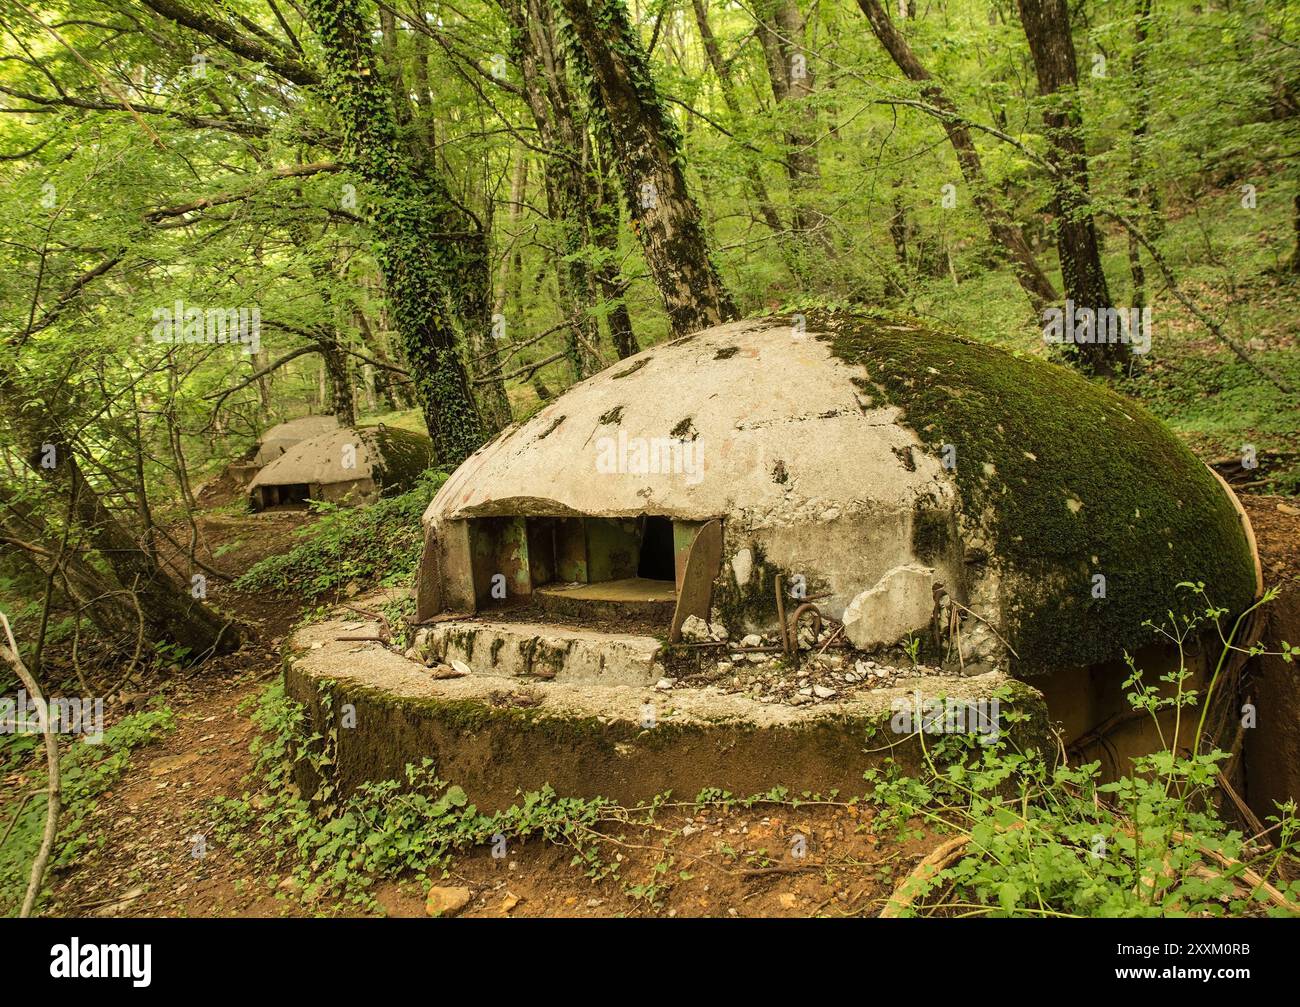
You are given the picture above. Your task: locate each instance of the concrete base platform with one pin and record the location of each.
(631, 597)
(498, 736)
(544, 652)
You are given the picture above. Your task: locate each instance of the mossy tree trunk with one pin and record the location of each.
(604, 230)
(647, 152)
(1047, 28)
(432, 254)
(1037, 287)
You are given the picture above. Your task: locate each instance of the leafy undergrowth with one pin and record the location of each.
(1030, 836)
(86, 770)
(1033, 837)
(336, 851)
(375, 545)
(341, 848)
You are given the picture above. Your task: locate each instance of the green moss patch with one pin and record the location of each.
(403, 456)
(1070, 480)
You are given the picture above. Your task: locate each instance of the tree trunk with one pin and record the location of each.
(1037, 287)
(104, 601)
(604, 228)
(342, 403)
(432, 255)
(1137, 189)
(1047, 28)
(781, 31)
(564, 173)
(647, 151)
(725, 83)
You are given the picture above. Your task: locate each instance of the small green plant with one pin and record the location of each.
(913, 649)
(86, 771)
(385, 829)
(1040, 838)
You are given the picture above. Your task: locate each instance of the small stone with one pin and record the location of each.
(752, 640)
(695, 629)
(1286, 508)
(788, 900)
(664, 684)
(462, 668)
(822, 692)
(806, 691)
(447, 901)
(291, 885)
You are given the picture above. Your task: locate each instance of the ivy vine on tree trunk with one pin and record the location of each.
(432, 254)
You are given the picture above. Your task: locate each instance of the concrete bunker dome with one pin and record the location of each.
(836, 454)
(345, 464)
(283, 436)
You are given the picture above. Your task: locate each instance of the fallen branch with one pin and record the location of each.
(9, 651)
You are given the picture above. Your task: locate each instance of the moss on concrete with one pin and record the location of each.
(1068, 478)
(495, 750)
(403, 455)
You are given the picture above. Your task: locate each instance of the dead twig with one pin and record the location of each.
(9, 651)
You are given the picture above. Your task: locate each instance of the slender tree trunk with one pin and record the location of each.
(604, 225)
(1137, 189)
(781, 32)
(432, 256)
(726, 84)
(564, 171)
(1294, 262)
(1047, 28)
(105, 602)
(648, 155)
(1037, 287)
(342, 403)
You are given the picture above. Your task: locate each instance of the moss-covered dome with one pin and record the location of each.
(838, 450)
(1070, 481)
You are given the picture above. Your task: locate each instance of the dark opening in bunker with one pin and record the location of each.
(656, 562)
(285, 494)
(586, 567)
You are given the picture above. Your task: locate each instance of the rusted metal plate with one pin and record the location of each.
(702, 565)
(428, 587)
(684, 533)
